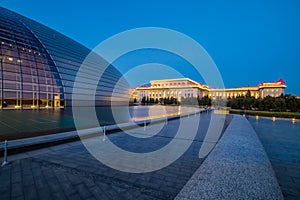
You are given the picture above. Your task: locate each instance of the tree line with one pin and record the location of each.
(205, 101)
(165, 101)
(282, 103)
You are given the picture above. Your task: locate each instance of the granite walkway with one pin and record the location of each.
(237, 168)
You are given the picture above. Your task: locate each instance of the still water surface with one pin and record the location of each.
(281, 140)
(26, 123)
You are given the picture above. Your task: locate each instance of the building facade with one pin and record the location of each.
(187, 88)
(38, 66)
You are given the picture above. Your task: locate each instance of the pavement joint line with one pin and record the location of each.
(104, 179)
(8, 125)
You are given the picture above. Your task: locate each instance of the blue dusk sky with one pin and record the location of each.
(250, 41)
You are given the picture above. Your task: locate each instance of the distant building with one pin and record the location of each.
(187, 88)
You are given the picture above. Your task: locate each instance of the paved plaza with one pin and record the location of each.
(69, 171)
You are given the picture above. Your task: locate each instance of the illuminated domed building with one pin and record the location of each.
(39, 65)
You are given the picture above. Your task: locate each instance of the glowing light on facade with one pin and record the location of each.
(187, 88)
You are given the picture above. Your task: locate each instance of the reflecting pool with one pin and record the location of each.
(16, 124)
(281, 140)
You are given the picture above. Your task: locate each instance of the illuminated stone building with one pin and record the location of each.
(187, 88)
(176, 88)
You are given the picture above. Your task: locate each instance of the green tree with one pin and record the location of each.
(279, 104)
(143, 100)
(248, 94)
(234, 104)
(269, 103)
(291, 103)
(205, 101)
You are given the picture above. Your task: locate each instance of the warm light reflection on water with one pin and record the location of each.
(275, 119)
(15, 124)
(140, 113)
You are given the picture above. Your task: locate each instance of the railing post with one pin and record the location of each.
(5, 162)
(104, 133)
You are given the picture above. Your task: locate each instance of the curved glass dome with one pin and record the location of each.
(39, 65)
(28, 75)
